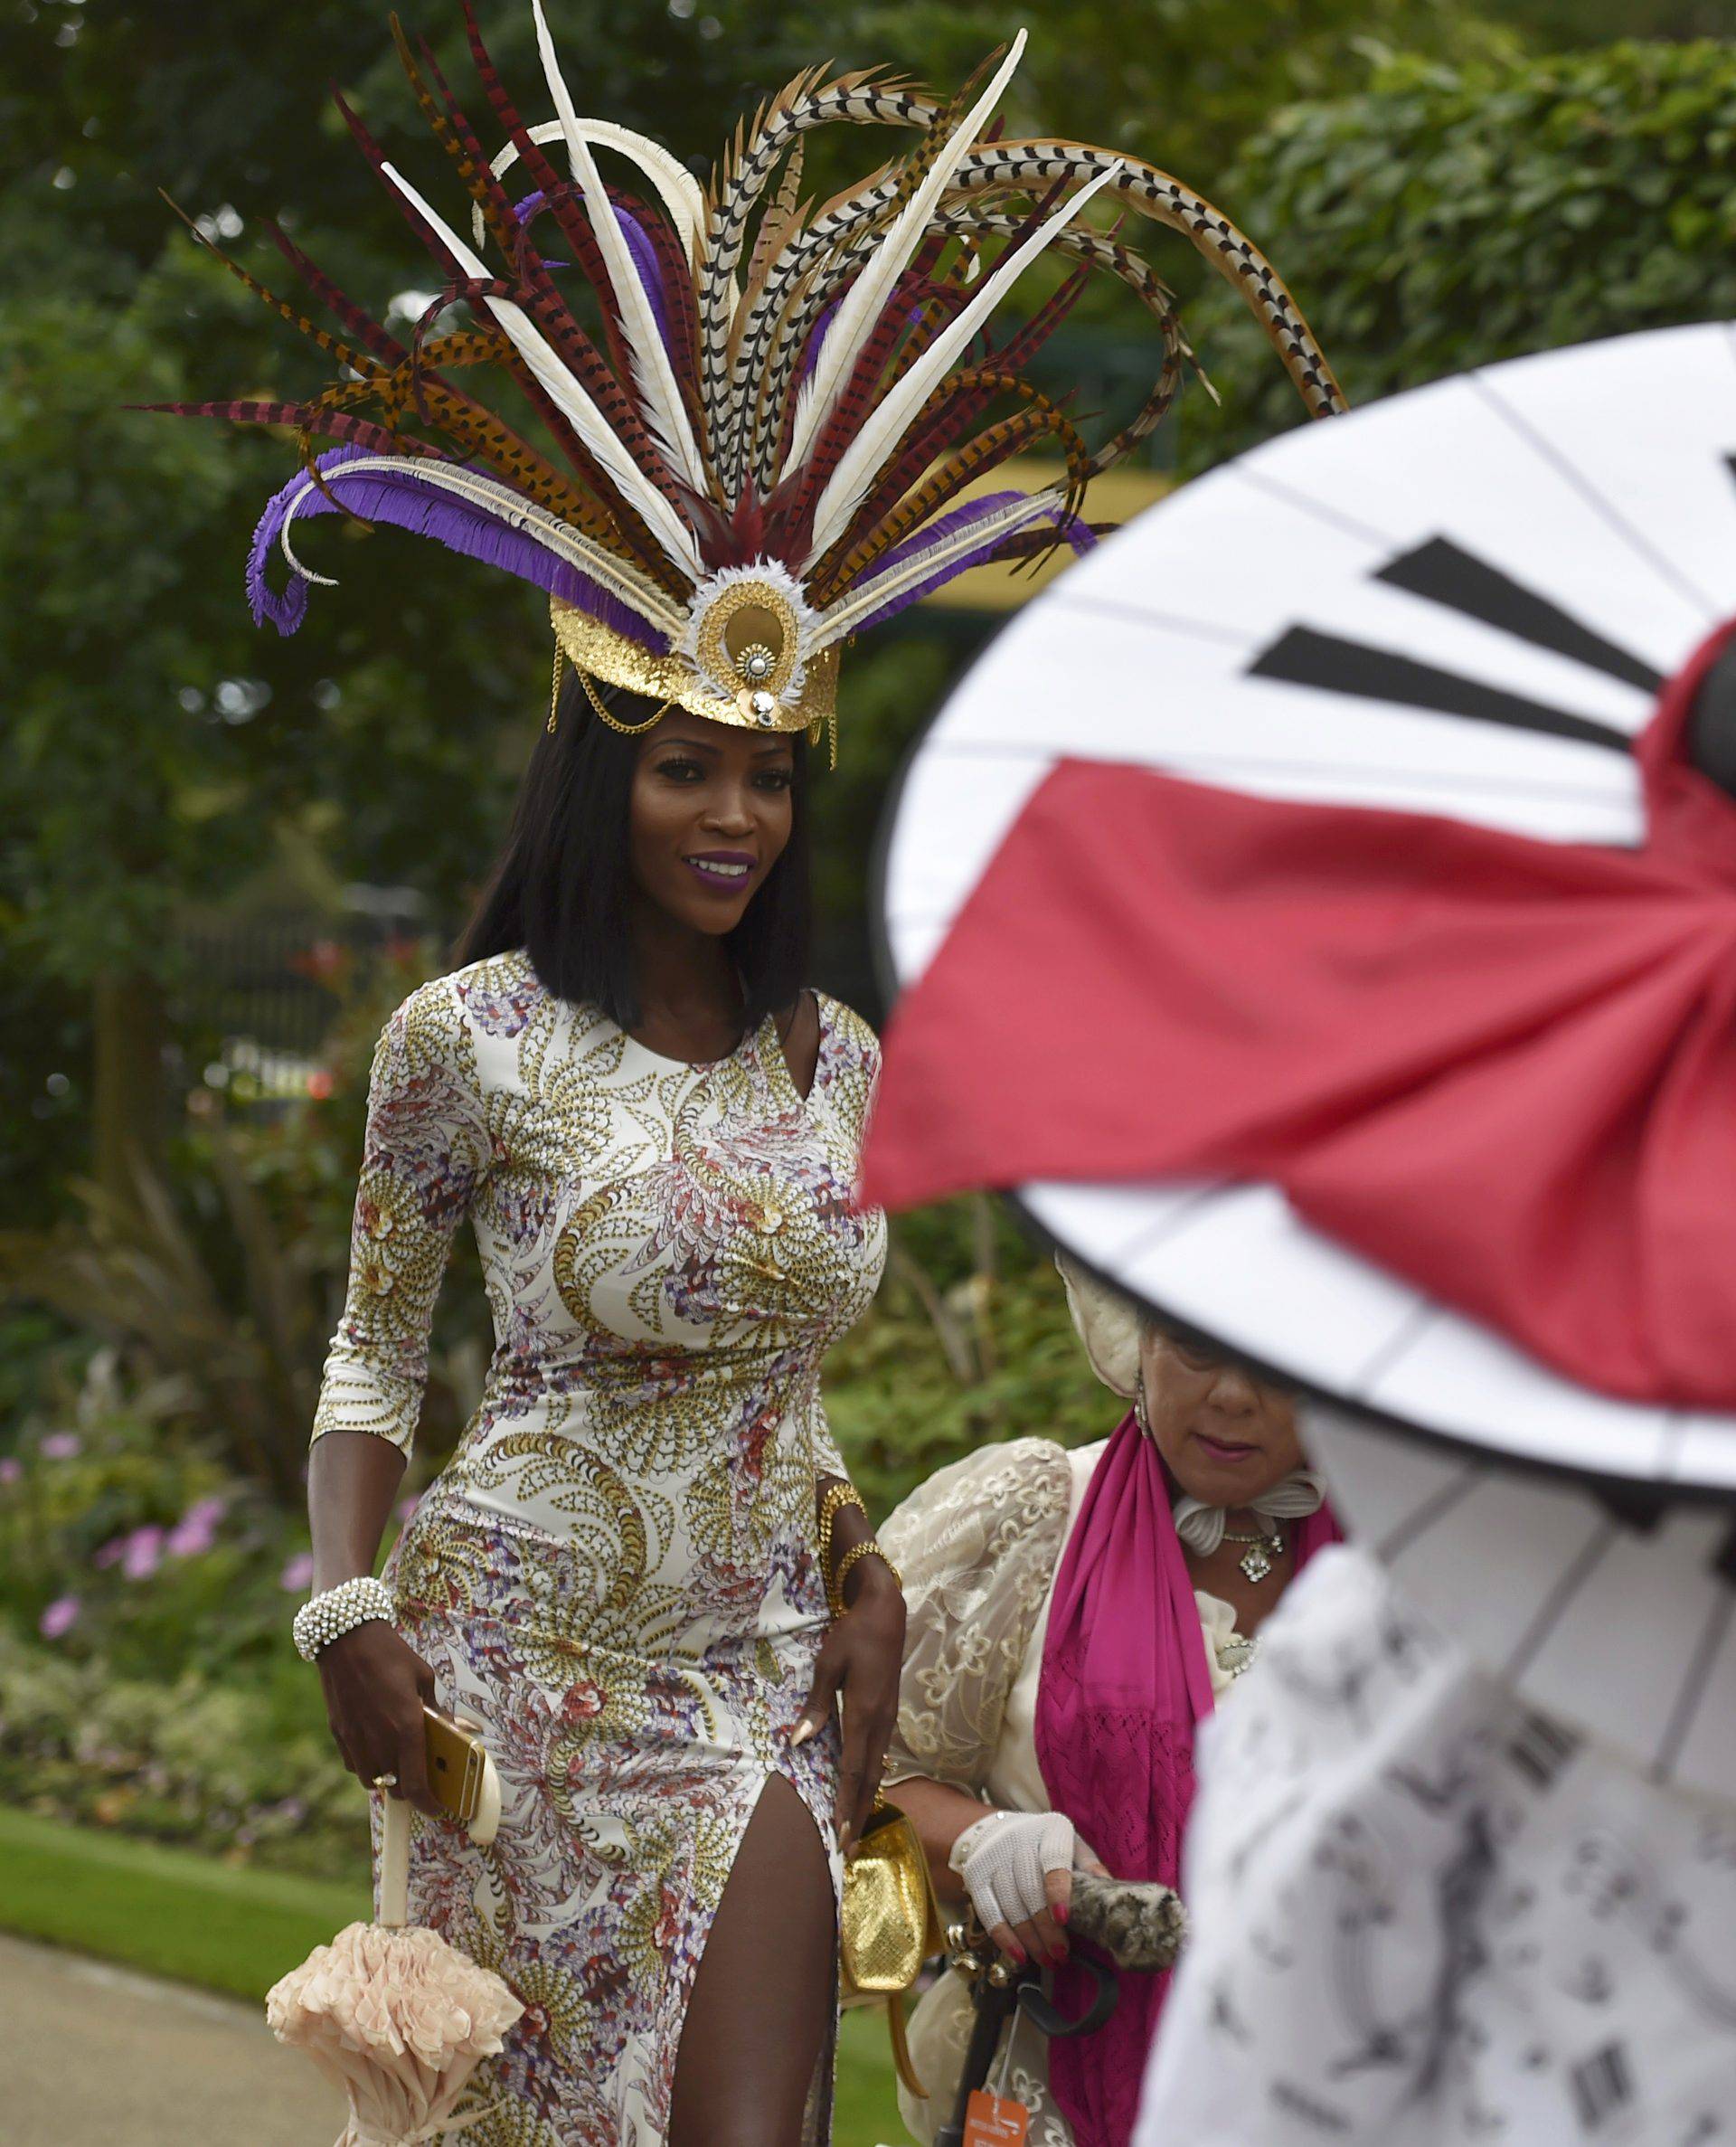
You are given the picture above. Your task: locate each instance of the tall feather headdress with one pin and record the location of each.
(769, 446)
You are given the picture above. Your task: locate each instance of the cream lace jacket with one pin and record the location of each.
(979, 1546)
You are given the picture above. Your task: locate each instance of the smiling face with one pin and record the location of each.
(1225, 1435)
(709, 814)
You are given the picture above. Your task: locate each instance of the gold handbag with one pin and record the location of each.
(888, 1924)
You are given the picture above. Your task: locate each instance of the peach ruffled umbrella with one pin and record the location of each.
(392, 2014)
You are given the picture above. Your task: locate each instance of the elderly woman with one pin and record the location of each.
(1072, 1618)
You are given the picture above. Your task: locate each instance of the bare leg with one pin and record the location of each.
(761, 2004)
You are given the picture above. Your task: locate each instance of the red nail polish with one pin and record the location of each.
(1019, 1956)
(1062, 1913)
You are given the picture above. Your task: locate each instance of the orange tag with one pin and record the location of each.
(995, 2121)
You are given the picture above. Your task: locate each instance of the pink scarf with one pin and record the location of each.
(1124, 1683)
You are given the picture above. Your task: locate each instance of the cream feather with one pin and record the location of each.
(871, 292)
(567, 395)
(617, 575)
(678, 190)
(665, 413)
(885, 424)
(862, 600)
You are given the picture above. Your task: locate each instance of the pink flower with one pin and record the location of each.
(196, 1530)
(142, 1553)
(109, 1554)
(11, 1469)
(60, 1617)
(59, 1446)
(298, 1574)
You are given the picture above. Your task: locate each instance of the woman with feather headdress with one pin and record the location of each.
(644, 1572)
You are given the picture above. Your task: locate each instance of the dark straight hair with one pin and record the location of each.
(561, 886)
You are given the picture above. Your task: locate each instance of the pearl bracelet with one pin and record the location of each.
(326, 1617)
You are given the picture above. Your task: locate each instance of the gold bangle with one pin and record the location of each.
(870, 1549)
(840, 1496)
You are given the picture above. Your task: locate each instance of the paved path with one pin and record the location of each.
(98, 2057)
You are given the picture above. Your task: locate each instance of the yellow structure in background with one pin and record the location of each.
(1117, 496)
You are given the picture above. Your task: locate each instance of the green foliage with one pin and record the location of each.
(219, 1285)
(969, 1343)
(147, 1679)
(1451, 216)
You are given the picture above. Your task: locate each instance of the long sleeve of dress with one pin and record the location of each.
(846, 1078)
(426, 1151)
(977, 1543)
(828, 1457)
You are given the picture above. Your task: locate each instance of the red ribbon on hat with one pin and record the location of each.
(1502, 1069)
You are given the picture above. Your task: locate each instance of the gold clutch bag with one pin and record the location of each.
(889, 1924)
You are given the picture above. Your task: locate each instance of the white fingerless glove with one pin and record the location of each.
(1004, 1858)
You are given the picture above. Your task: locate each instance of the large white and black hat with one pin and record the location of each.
(1456, 609)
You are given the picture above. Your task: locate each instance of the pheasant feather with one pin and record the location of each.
(880, 435)
(664, 410)
(992, 447)
(873, 287)
(787, 405)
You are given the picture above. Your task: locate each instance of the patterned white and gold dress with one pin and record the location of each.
(616, 1576)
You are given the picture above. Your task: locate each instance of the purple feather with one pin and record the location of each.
(1071, 530)
(398, 498)
(811, 356)
(639, 244)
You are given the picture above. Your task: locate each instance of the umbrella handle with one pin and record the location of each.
(394, 1863)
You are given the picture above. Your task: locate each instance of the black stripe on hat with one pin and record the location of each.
(1445, 573)
(1305, 657)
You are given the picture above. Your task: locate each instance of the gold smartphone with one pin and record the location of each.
(455, 1760)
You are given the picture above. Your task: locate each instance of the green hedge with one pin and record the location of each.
(1454, 215)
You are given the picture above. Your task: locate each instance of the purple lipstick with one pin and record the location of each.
(724, 872)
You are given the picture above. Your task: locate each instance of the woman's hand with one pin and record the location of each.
(375, 1686)
(1018, 1869)
(859, 1663)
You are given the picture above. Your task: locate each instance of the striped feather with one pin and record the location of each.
(340, 352)
(1154, 194)
(879, 438)
(862, 99)
(378, 341)
(637, 489)
(476, 431)
(950, 413)
(779, 220)
(1097, 250)
(427, 229)
(995, 444)
(574, 227)
(594, 378)
(338, 425)
(929, 562)
(605, 516)
(792, 336)
(453, 131)
(873, 288)
(864, 385)
(665, 414)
